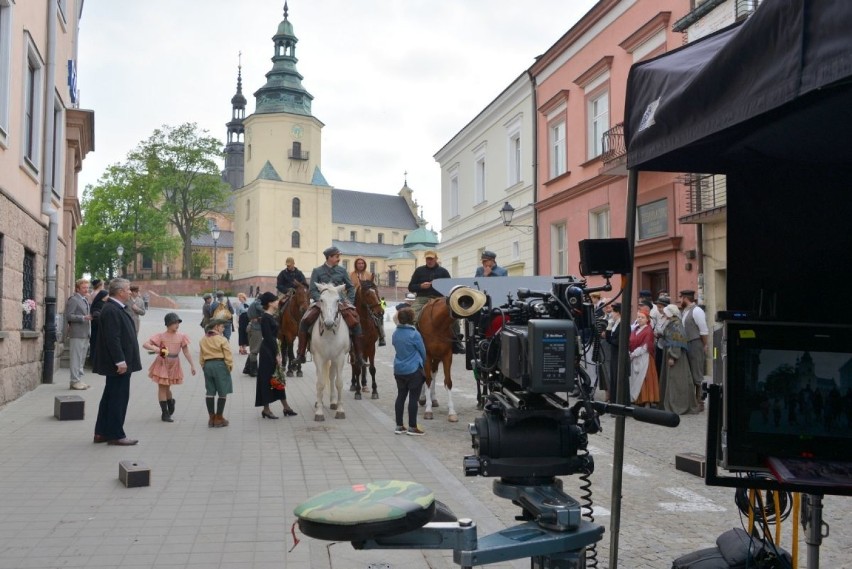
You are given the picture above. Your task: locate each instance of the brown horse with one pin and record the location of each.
(369, 308)
(289, 315)
(436, 327)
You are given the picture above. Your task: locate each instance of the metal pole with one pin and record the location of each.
(215, 274)
(623, 376)
(812, 520)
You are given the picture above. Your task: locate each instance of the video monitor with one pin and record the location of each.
(787, 393)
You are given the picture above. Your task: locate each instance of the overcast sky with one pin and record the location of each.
(393, 80)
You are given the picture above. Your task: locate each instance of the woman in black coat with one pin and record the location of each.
(611, 336)
(269, 358)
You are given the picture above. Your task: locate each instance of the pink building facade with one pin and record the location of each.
(581, 177)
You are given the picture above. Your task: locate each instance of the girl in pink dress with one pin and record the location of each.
(166, 370)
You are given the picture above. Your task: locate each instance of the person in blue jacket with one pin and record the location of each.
(408, 370)
(489, 267)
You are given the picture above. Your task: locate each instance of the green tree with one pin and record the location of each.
(180, 165)
(783, 380)
(120, 210)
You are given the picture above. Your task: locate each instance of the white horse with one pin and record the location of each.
(330, 346)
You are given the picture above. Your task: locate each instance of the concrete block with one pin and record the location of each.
(69, 407)
(134, 474)
(692, 463)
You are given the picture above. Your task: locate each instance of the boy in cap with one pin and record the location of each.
(489, 267)
(217, 361)
(331, 272)
(206, 313)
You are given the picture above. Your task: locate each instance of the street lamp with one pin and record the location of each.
(507, 212)
(120, 251)
(214, 232)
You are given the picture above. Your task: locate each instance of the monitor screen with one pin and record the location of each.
(787, 393)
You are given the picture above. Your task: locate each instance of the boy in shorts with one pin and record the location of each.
(217, 361)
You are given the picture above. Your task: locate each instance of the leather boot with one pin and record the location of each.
(171, 406)
(458, 346)
(303, 346)
(165, 417)
(220, 421)
(358, 343)
(210, 422)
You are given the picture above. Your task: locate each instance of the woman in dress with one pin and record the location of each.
(269, 358)
(166, 370)
(644, 384)
(241, 312)
(679, 395)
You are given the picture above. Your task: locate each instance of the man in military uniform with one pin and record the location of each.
(421, 286)
(331, 273)
(288, 278)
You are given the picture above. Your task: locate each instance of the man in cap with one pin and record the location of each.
(206, 314)
(421, 286)
(658, 323)
(695, 329)
(222, 309)
(288, 278)
(331, 272)
(489, 267)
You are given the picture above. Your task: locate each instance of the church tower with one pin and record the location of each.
(283, 210)
(235, 147)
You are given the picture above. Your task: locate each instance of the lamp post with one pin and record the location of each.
(214, 232)
(120, 251)
(507, 212)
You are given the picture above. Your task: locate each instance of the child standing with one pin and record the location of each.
(408, 370)
(166, 370)
(217, 361)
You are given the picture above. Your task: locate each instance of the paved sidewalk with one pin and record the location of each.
(224, 497)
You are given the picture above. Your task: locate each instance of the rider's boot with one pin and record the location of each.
(381, 334)
(458, 346)
(358, 342)
(303, 346)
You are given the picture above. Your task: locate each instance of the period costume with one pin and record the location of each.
(644, 383)
(79, 329)
(679, 394)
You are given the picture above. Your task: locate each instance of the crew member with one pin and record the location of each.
(489, 267)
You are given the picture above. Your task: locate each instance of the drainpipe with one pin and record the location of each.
(699, 261)
(535, 170)
(46, 198)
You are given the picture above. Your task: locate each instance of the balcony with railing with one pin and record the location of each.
(706, 198)
(614, 155)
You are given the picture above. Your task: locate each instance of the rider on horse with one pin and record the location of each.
(421, 285)
(359, 275)
(331, 273)
(288, 278)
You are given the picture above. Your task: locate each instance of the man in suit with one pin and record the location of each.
(79, 327)
(116, 357)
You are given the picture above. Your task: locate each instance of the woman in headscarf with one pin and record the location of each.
(679, 392)
(644, 384)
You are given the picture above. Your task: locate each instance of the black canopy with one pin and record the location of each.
(775, 89)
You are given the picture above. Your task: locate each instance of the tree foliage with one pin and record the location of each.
(179, 164)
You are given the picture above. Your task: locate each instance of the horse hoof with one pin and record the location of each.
(434, 403)
(422, 401)
(340, 415)
(374, 395)
(319, 418)
(427, 416)
(365, 389)
(353, 388)
(298, 374)
(333, 406)
(289, 374)
(358, 396)
(453, 418)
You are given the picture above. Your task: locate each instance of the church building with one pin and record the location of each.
(284, 207)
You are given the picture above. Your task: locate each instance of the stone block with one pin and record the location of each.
(134, 474)
(69, 407)
(692, 463)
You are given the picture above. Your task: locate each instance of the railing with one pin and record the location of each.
(613, 143)
(705, 192)
(745, 8)
(297, 154)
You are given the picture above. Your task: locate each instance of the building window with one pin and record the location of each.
(559, 248)
(353, 236)
(345, 264)
(598, 116)
(230, 258)
(454, 193)
(297, 207)
(558, 152)
(599, 223)
(147, 262)
(380, 238)
(513, 158)
(295, 240)
(28, 288)
(247, 241)
(5, 67)
(373, 268)
(516, 250)
(33, 88)
(479, 179)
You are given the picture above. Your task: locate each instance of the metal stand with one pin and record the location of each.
(815, 528)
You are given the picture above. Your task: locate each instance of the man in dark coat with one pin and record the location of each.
(116, 357)
(331, 272)
(288, 277)
(421, 285)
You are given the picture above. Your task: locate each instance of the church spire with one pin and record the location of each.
(238, 107)
(283, 91)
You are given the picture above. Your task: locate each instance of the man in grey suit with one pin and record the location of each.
(116, 357)
(79, 327)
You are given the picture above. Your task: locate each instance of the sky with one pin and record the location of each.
(392, 80)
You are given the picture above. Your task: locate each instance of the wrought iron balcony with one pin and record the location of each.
(706, 198)
(614, 155)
